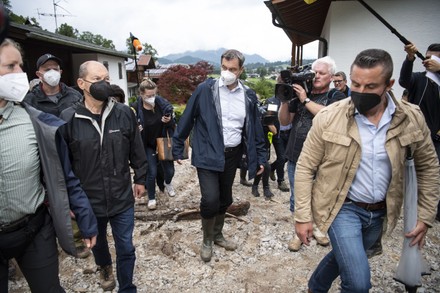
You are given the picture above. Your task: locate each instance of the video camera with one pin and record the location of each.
(269, 114)
(302, 75)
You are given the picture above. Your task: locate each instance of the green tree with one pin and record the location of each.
(96, 39)
(262, 71)
(7, 5)
(67, 30)
(263, 87)
(86, 37)
(147, 49)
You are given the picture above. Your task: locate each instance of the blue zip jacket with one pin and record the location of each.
(203, 115)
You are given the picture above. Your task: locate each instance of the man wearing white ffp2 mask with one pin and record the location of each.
(51, 95)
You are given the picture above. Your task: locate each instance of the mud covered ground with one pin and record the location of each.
(168, 251)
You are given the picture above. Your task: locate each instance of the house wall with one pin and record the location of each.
(116, 77)
(351, 28)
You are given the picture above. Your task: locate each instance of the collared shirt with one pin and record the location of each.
(285, 127)
(21, 191)
(233, 110)
(370, 184)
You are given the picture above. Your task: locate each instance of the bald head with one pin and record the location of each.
(91, 72)
(90, 67)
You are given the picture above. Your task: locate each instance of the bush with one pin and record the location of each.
(178, 111)
(263, 87)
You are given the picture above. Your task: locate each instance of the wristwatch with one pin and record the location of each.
(307, 100)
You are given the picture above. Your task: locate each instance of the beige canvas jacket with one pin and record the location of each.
(331, 156)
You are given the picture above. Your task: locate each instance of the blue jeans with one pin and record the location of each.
(168, 168)
(122, 230)
(353, 231)
(291, 166)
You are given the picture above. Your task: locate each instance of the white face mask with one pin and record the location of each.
(228, 77)
(149, 100)
(14, 86)
(52, 77)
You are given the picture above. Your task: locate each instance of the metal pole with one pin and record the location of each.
(392, 29)
(135, 65)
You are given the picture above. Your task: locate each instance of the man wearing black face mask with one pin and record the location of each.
(105, 142)
(349, 176)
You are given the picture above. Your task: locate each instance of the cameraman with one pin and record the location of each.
(300, 113)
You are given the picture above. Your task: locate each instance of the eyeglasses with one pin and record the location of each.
(337, 81)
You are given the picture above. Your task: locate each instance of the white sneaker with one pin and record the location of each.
(152, 204)
(170, 190)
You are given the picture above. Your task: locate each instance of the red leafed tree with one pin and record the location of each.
(178, 82)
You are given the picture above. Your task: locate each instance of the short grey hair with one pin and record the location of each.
(82, 72)
(233, 54)
(341, 74)
(328, 61)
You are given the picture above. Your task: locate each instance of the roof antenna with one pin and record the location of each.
(54, 14)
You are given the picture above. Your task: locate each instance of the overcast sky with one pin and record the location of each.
(172, 26)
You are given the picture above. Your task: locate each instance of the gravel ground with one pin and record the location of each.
(168, 251)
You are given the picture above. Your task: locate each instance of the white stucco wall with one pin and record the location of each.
(351, 28)
(113, 69)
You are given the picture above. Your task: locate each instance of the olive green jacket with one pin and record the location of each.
(332, 153)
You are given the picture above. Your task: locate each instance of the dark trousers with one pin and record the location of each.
(38, 261)
(265, 176)
(216, 187)
(279, 143)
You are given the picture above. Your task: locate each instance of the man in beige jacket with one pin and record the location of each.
(350, 174)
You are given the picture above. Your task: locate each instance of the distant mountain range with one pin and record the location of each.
(211, 56)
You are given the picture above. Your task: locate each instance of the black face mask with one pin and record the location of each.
(365, 101)
(101, 90)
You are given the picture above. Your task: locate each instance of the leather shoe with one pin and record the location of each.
(267, 193)
(283, 186)
(245, 182)
(228, 245)
(272, 175)
(255, 190)
(294, 244)
(320, 237)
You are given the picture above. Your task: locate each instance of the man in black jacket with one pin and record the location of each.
(51, 95)
(424, 91)
(105, 142)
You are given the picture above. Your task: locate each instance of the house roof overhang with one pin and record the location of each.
(302, 22)
(23, 32)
